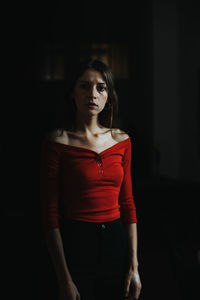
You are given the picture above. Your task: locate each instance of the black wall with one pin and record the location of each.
(28, 111)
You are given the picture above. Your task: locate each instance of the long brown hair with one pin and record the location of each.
(108, 117)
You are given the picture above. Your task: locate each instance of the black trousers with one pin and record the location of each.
(97, 257)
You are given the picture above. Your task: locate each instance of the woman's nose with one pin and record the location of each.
(93, 92)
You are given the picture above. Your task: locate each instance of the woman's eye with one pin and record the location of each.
(87, 86)
(84, 85)
(101, 88)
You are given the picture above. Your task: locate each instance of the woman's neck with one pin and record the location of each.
(88, 126)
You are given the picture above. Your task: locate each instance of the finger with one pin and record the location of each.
(78, 297)
(136, 292)
(139, 289)
(126, 288)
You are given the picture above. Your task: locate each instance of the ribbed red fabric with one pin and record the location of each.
(80, 184)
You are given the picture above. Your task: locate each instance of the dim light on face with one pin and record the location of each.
(90, 92)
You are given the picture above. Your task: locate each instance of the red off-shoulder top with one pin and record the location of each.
(80, 184)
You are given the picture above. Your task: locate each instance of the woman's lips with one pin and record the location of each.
(92, 105)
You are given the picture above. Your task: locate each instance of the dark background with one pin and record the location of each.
(153, 48)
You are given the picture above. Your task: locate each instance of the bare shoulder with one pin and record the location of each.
(120, 135)
(57, 135)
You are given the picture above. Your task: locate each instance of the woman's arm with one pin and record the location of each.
(132, 281)
(50, 210)
(67, 288)
(132, 245)
(55, 247)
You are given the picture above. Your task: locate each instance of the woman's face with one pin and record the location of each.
(90, 88)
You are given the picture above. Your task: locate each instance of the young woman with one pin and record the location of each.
(88, 211)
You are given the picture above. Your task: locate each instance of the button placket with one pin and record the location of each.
(100, 164)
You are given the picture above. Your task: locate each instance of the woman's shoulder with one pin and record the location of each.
(120, 135)
(57, 135)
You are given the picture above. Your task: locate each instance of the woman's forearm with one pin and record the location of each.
(132, 245)
(55, 247)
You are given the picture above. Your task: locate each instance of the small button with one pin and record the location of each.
(100, 164)
(101, 171)
(103, 226)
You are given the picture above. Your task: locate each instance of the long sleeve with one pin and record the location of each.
(126, 199)
(49, 186)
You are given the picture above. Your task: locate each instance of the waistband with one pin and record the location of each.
(107, 224)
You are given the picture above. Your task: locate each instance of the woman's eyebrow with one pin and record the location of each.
(103, 82)
(87, 81)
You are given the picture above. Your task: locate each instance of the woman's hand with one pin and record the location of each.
(69, 291)
(132, 286)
